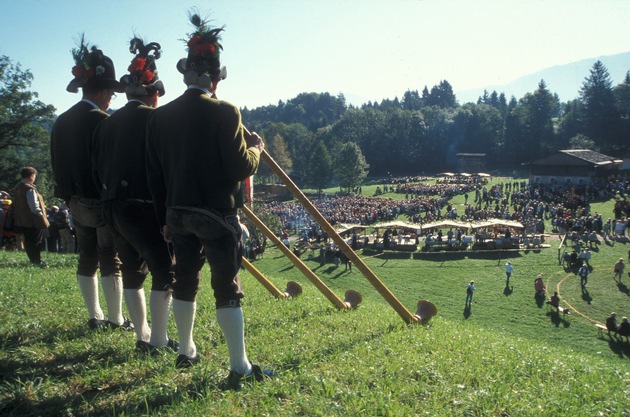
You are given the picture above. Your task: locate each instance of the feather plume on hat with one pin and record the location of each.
(202, 65)
(143, 78)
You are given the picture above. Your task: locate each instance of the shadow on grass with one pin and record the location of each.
(619, 347)
(88, 400)
(586, 296)
(442, 256)
(623, 288)
(467, 310)
(557, 319)
(508, 290)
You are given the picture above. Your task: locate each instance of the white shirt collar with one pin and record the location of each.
(91, 103)
(196, 87)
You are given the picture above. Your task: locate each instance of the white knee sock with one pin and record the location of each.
(231, 322)
(184, 312)
(112, 289)
(89, 291)
(159, 304)
(136, 304)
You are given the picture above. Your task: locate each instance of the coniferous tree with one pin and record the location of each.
(601, 115)
(350, 167)
(622, 96)
(319, 172)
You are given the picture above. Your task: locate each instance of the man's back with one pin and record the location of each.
(70, 147)
(196, 153)
(119, 151)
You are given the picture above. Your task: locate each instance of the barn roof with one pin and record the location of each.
(589, 156)
(584, 157)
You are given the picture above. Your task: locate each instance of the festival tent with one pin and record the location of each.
(498, 222)
(342, 228)
(446, 223)
(483, 174)
(396, 225)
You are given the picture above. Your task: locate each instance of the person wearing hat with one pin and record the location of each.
(619, 267)
(539, 286)
(127, 206)
(70, 147)
(583, 273)
(470, 290)
(611, 323)
(509, 269)
(198, 155)
(30, 215)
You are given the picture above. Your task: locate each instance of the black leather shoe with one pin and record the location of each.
(234, 379)
(127, 325)
(172, 345)
(184, 361)
(94, 324)
(146, 347)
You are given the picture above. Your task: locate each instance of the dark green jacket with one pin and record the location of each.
(118, 154)
(196, 154)
(70, 151)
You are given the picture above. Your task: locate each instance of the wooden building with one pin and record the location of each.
(471, 162)
(577, 166)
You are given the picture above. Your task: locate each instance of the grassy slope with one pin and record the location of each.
(506, 356)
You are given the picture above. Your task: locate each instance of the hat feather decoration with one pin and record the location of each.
(202, 65)
(83, 67)
(142, 78)
(91, 68)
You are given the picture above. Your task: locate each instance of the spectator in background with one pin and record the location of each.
(539, 286)
(583, 274)
(611, 323)
(62, 222)
(619, 268)
(53, 241)
(509, 269)
(470, 290)
(30, 215)
(554, 300)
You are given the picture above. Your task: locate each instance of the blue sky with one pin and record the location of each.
(276, 49)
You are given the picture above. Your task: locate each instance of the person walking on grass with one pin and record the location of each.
(583, 274)
(70, 153)
(509, 270)
(619, 268)
(198, 154)
(470, 290)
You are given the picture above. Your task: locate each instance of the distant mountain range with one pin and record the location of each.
(564, 80)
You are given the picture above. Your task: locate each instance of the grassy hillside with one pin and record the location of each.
(505, 356)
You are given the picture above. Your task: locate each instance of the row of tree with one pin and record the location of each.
(321, 140)
(424, 131)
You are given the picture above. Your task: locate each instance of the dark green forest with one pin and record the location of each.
(423, 131)
(321, 141)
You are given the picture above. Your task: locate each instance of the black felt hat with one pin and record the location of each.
(92, 69)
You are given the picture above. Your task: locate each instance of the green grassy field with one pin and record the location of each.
(505, 356)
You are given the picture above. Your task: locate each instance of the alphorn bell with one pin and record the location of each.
(426, 310)
(293, 289)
